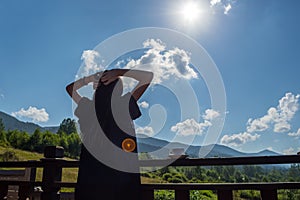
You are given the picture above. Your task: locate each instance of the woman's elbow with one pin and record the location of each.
(69, 89)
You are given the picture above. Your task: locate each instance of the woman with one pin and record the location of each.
(114, 113)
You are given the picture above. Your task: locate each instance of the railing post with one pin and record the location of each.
(3, 191)
(225, 195)
(148, 194)
(269, 194)
(26, 190)
(51, 172)
(182, 194)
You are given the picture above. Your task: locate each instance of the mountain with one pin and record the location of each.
(147, 144)
(11, 123)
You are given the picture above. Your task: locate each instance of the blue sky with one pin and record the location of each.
(255, 45)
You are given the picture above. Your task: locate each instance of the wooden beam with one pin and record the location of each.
(225, 195)
(182, 194)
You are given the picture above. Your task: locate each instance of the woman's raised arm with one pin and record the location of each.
(144, 79)
(74, 86)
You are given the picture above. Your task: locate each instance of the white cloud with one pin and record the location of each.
(227, 8)
(120, 63)
(210, 114)
(259, 124)
(165, 64)
(296, 134)
(1, 96)
(279, 116)
(92, 62)
(214, 2)
(224, 5)
(154, 44)
(289, 151)
(33, 113)
(190, 127)
(238, 139)
(144, 104)
(288, 106)
(282, 127)
(147, 130)
(128, 84)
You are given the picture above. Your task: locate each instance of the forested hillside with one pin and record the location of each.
(11, 123)
(67, 137)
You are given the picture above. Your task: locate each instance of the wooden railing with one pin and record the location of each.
(267, 190)
(53, 163)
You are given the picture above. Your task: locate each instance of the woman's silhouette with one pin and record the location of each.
(114, 113)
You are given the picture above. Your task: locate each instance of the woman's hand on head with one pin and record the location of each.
(109, 76)
(96, 77)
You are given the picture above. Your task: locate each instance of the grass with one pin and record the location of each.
(21, 154)
(68, 174)
(146, 180)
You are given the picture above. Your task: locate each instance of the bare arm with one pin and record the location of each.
(74, 86)
(144, 79)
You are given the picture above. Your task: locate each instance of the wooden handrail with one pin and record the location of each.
(222, 186)
(52, 169)
(254, 160)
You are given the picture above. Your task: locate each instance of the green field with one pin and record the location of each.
(185, 175)
(68, 174)
(22, 155)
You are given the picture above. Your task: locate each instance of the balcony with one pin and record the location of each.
(53, 163)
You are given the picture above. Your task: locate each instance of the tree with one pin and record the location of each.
(63, 141)
(74, 145)
(14, 138)
(3, 138)
(67, 126)
(294, 172)
(228, 173)
(36, 141)
(18, 139)
(239, 177)
(2, 127)
(24, 139)
(50, 139)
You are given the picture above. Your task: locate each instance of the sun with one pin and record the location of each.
(190, 11)
(192, 16)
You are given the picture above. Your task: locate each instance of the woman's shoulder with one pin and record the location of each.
(84, 105)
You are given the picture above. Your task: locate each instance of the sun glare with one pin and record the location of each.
(192, 16)
(190, 11)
